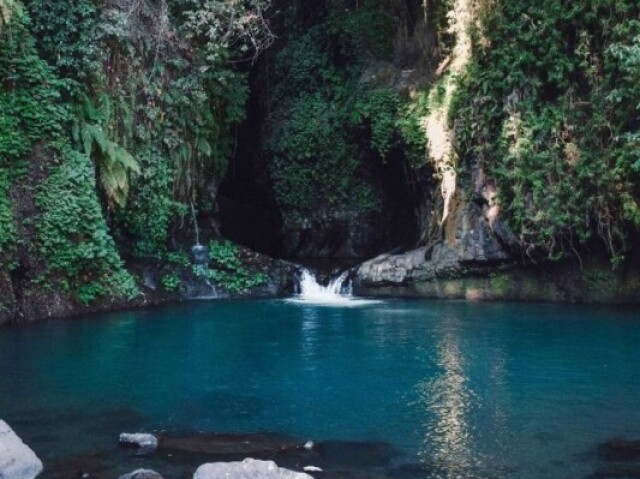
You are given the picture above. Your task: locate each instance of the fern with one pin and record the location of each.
(114, 163)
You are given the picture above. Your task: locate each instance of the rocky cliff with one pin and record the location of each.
(474, 140)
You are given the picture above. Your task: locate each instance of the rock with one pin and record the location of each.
(229, 444)
(422, 264)
(17, 460)
(312, 469)
(140, 440)
(619, 450)
(247, 469)
(141, 474)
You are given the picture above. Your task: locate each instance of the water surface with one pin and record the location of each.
(460, 390)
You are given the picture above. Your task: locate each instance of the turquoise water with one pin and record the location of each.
(463, 389)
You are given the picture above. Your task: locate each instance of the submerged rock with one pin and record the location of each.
(230, 444)
(247, 469)
(17, 460)
(140, 439)
(620, 471)
(620, 450)
(142, 474)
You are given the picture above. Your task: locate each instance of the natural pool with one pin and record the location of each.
(459, 390)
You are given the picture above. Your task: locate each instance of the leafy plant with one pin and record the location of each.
(72, 235)
(550, 106)
(171, 282)
(227, 269)
(114, 163)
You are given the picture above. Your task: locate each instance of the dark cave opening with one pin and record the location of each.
(249, 214)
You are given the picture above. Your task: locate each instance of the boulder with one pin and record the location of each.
(247, 469)
(17, 460)
(140, 439)
(141, 474)
(619, 450)
(312, 469)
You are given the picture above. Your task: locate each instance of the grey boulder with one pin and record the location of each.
(139, 439)
(247, 469)
(141, 474)
(17, 460)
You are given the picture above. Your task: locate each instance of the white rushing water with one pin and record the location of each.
(337, 293)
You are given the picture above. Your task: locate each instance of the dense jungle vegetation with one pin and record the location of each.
(118, 119)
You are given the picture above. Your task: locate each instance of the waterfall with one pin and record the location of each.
(199, 253)
(337, 293)
(310, 289)
(195, 224)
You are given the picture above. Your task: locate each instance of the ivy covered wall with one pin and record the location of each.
(119, 120)
(115, 121)
(550, 104)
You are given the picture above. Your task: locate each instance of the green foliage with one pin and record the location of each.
(363, 25)
(179, 258)
(72, 236)
(30, 108)
(392, 122)
(68, 39)
(149, 113)
(73, 240)
(200, 112)
(550, 105)
(224, 255)
(7, 226)
(171, 282)
(228, 270)
(150, 208)
(326, 125)
(314, 165)
(305, 66)
(227, 29)
(30, 112)
(154, 112)
(114, 163)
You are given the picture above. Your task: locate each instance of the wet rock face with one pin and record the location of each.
(478, 238)
(17, 460)
(423, 264)
(247, 469)
(340, 236)
(475, 240)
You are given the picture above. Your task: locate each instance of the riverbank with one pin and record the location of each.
(23, 299)
(439, 272)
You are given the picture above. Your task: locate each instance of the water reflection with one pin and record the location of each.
(310, 333)
(447, 400)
